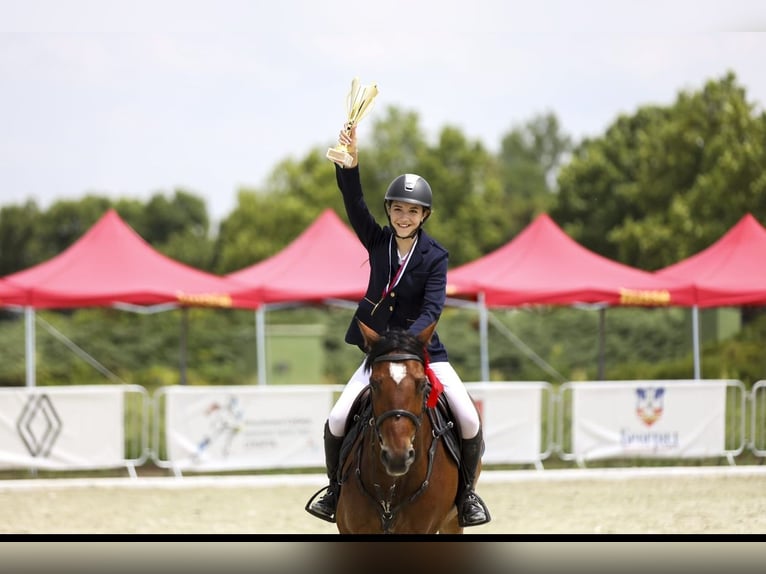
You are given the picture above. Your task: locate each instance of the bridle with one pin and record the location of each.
(384, 502)
(416, 419)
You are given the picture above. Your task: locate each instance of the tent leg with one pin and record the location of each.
(696, 342)
(601, 341)
(29, 327)
(484, 338)
(182, 344)
(260, 340)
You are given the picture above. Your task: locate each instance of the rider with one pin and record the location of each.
(407, 289)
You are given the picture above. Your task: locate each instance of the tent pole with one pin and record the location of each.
(483, 337)
(182, 343)
(29, 328)
(696, 342)
(260, 341)
(601, 341)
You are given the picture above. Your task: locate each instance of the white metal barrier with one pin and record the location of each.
(758, 418)
(265, 427)
(651, 419)
(217, 428)
(73, 427)
(517, 420)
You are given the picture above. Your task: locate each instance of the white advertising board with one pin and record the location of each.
(511, 420)
(657, 419)
(236, 427)
(60, 428)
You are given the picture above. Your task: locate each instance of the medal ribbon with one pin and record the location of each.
(395, 280)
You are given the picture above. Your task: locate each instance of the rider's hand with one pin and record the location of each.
(347, 137)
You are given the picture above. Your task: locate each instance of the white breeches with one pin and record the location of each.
(457, 396)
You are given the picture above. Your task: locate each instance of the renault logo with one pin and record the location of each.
(39, 425)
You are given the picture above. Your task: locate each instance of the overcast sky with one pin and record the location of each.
(130, 98)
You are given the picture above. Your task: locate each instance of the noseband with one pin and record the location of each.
(397, 358)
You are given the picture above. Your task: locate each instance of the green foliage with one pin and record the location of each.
(666, 182)
(18, 246)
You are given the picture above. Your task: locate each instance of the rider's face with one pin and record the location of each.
(405, 217)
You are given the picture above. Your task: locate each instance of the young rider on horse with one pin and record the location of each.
(407, 289)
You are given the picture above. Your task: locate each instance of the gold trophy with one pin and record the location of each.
(358, 103)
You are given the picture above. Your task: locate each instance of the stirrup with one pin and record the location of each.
(309, 505)
(472, 496)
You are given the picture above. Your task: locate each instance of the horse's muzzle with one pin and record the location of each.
(397, 464)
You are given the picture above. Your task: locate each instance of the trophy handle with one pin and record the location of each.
(339, 154)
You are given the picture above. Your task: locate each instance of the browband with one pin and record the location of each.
(396, 357)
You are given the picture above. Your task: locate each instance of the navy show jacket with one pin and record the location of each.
(418, 299)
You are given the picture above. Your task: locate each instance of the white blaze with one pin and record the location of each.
(398, 371)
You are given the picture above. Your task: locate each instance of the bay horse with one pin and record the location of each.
(399, 477)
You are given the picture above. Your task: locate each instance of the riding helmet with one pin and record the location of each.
(410, 188)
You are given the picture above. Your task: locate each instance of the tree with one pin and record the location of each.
(528, 163)
(668, 181)
(179, 227)
(266, 220)
(464, 180)
(18, 226)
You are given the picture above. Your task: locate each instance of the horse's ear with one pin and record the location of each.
(426, 334)
(369, 335)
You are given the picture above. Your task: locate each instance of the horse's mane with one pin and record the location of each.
(395, 340)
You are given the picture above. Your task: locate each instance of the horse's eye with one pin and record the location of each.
(374, 383)
(422, 384)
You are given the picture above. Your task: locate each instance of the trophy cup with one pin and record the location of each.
(358, 103)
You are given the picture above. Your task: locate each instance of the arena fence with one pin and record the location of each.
(668, 419)
(758, 419)
(74, 427)
(227, 428)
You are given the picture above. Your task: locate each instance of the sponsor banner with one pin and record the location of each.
(235, 427)
(61, 428)
(512, 420)
(652, 419)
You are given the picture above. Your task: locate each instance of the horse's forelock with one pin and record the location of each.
(395, 340)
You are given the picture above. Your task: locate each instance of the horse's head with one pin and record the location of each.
(396, 361)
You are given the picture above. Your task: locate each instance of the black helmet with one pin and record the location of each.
(410, 188)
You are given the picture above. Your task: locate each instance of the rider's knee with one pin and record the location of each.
(469, 427)
(336, 421)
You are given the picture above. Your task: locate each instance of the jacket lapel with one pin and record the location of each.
(418, 256)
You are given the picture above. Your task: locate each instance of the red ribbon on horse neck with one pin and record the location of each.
(436, 384)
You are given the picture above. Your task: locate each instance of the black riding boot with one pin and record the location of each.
(324, 508)
(471, 509)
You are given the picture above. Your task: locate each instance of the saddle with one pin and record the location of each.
(441, 417)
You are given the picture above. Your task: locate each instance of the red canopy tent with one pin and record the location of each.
(10, 294)
(323, 263)
(326, 261)
(731, 271)
(543, 265)
(112, 264)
